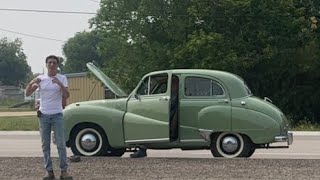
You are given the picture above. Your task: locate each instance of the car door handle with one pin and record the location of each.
(164, 98)
(224, 101)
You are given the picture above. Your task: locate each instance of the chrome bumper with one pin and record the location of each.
(288, 138)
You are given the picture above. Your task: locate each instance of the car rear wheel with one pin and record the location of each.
(230, 145)
(88, 140)
(252, 150)
(249, 147)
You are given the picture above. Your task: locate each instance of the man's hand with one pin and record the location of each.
(56, 80)
(65, 92)
(32, 86)
(35, 81)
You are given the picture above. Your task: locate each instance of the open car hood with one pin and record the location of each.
(106, 80)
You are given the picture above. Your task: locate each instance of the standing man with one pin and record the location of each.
(53, 89)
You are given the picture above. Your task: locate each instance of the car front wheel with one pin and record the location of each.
(230, 145)
(88, 141)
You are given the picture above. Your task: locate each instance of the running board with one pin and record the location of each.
(271, 147)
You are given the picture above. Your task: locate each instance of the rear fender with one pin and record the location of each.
(260, 127)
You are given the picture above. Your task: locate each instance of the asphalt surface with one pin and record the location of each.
(27, 144)
(20, 158)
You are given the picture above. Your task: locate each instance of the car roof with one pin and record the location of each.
(233, 82)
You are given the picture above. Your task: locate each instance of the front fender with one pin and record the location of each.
(109, 119)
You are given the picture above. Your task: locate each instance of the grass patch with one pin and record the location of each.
(306, 127)
(23, 123)
(16, 106)
(8, 102)
(6, 109)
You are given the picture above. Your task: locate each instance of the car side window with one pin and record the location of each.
(143, 89)
(160, 88)
(156, 84)
(197, 86)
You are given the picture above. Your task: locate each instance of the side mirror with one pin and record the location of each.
(137, 96)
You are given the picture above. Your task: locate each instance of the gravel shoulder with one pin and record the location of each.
(165, 168)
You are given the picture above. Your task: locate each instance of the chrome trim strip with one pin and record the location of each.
(193, 140)
(205, 134)
(148, 140)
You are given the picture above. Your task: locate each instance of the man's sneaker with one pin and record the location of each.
(49, 176)
(140, 153)
(75, 158)
(65, 175)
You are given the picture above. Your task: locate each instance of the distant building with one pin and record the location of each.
(32, 97)
(83, 88)
(11, 93)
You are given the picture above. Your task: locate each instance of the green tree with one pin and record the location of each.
(14, 69)
(147, 30)
(273, 45)
(79, 50)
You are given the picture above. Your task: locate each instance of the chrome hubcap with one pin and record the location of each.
(88, 142)
(229, 144)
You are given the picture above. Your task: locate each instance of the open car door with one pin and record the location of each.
(147, 116)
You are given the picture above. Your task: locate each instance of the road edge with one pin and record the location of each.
(22, 133)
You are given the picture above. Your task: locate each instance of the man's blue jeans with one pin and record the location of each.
(55, 122)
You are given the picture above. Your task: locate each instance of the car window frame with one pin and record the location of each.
(213, 79)
(149, 85)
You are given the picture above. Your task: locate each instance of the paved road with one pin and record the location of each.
(20, 159)
(24, 113)
(21, 144)
(28, 145)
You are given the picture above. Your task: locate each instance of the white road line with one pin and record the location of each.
(290, 154)
(257, 153)
(306, 133)
(17, 114)
(19, 133)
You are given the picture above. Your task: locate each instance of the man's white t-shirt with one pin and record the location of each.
(51, 94)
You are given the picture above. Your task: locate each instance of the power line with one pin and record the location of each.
(34, 36)
(45, 11)
(94, 1)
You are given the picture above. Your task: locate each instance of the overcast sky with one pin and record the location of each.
(49, 25)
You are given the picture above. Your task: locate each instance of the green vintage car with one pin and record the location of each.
(188, 109)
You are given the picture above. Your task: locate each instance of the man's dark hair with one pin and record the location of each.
(52, 57)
